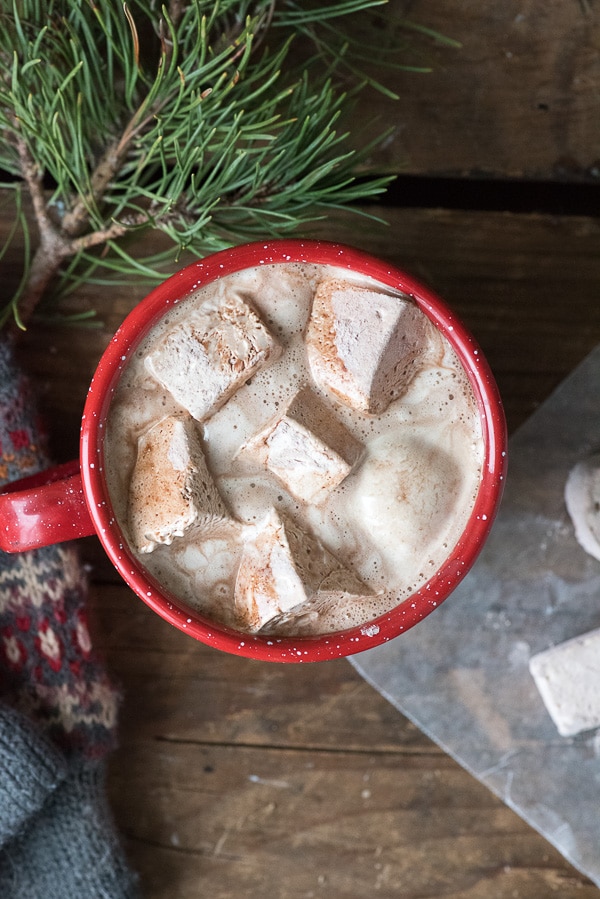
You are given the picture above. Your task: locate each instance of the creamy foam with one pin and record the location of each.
(392, 521)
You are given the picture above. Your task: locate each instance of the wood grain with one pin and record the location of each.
(236, 778)
(527, 286)
(518, 98)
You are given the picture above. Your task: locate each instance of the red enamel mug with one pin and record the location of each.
(72, 500)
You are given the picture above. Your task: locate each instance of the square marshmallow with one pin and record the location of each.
(568, 679)
(306, 447)
(363, 345)
(171, 489)
(282, 567)
(203, 360)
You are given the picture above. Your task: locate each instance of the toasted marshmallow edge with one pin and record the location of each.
(362, 344)
(203, 361)
(282, 569)
(568, 679)
(582, 499)
(171, 488)
(267, 582)
(307, 448)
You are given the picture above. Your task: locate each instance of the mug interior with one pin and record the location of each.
(409, 611)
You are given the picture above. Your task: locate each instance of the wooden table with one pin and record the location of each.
(242, 779)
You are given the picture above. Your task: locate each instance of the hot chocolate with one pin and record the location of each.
(293, 449)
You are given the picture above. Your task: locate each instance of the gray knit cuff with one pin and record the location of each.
(31, 769)
(71, 849)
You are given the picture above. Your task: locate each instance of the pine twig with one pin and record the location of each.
(52, 248)
(191, 121)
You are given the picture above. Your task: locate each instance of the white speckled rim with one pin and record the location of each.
(287, 649)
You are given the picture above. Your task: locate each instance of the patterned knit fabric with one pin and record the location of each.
(47, 668)
(22, 434)
(57, 707)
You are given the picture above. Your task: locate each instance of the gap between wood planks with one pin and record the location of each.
(426, 751)
(486, 194)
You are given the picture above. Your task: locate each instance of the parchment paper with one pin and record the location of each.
(462, 674)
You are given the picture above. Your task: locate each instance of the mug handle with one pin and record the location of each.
(45, 508)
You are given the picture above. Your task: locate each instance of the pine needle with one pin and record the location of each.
(195, 122)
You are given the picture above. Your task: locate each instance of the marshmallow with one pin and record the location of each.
(307, 448)
(568, 679)
(281, 568)
(582, 498)
(364, 345)
(203, 360)
(171, 489)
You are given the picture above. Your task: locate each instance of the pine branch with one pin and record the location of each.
(58, 244)
(52, 248)
(192, 121)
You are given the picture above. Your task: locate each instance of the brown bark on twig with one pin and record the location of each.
(58, 242)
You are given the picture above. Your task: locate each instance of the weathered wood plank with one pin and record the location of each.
(226, 822)
(519, 98)
(241, 778)
(526, 285)
(195, 693)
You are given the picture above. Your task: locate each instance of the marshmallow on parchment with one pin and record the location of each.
(363, 345)
(582, 498)
(282, 566)
(203, 360)
(568, 679)
(306, 447)
(171, 489)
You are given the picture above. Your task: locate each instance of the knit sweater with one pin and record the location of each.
(58, 708)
